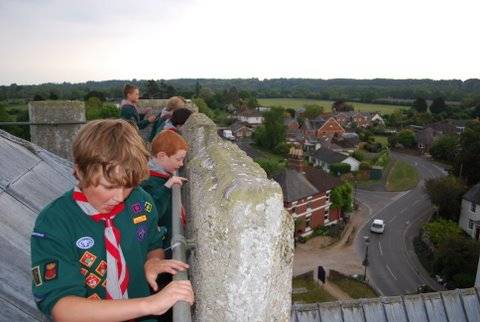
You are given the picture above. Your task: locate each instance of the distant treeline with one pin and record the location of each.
(370, 91)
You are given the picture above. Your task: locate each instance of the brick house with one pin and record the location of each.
(306, 195)
(322, 127)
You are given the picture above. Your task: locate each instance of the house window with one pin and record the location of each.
(470, 224)
(294, 209)
(307, 222)
(473, 207)
(294, 203)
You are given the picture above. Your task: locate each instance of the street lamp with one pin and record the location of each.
(366, 239)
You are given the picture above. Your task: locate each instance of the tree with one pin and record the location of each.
(339, 168)
(438, 106)
(406, 138)
(38, 97)
(456, 261)
(341, 197)
(446, 193)
(152, 89)
(467, 162)
(272, 132)
(341, 106)
(203, 107)
(52, 96)
(97, 94)
(198, 87)
(420, 105)
(291, 111)
(444, 148)
(312, 111)
(271, 167)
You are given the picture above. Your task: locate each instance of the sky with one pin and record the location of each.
(76, 41)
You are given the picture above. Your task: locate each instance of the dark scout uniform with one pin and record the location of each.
(68, 250)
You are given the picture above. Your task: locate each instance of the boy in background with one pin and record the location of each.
(130, 111)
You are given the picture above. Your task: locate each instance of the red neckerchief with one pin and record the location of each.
(162, 175)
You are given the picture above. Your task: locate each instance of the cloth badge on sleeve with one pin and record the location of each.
(141, 232)
(139, 219)
(136, 208)
(148, 206)
(37, 277)
(83, 271)
(92, 280)
(51, 270)
(101, 268)
(38, 235)
(88, 259)
(39, 297)
(94, 296)
(85, 242)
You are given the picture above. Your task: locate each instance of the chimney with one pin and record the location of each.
(295, 158)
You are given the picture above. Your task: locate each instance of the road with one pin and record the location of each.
(394, 268)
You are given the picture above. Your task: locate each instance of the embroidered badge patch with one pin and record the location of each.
(141, 232)
(148, 206)
(139, 219)
(85, 242)
(50, 271)
(37, 277)
(101, 268)
(39, 297)
(38, 235)
(94, 296)
(136, 208)
(88, 259)
(92, 280)
(83, 271)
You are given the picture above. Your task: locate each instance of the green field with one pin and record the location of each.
(402, 177)
(299, 102)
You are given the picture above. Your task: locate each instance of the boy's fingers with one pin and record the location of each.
(152, 282)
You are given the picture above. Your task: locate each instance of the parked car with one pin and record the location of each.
(378, 226)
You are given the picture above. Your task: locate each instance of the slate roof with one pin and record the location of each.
(328, 156)
(294, 185)
(473, 195)
(460, 305)
(321, 180)
(30, 177)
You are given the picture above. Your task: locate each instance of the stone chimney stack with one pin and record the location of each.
(295, 158)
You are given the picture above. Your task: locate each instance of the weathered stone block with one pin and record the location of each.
(56, 138)
(242, 263)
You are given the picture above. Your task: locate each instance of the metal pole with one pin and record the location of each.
(181, 310)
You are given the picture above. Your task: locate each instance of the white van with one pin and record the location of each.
(378, 226)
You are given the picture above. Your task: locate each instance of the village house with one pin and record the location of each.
(251, 117)
(306, 195)
(323, 158)
(321, 127)
(469, 219)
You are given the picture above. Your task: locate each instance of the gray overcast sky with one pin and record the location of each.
(75, 41)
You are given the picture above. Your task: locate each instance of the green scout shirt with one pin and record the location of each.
(129, 112)
(68, 249)
(157, 127)
(162, 196)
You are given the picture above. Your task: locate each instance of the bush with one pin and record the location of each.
(339, 168)
(271, 167)
(373, 147)
(364, 166)
(440, 230)
(382, 159)
(359, 155)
